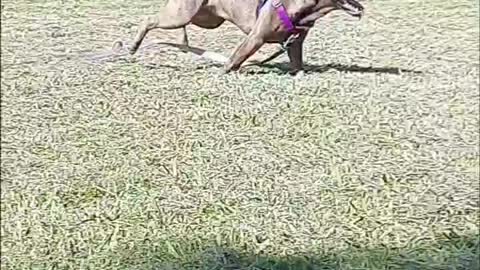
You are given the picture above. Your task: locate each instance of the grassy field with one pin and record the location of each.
(369, 161)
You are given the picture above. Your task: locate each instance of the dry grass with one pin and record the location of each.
(370, 161)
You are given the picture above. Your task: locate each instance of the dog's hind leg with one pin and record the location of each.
(176, 14)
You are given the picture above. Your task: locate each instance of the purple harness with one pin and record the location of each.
(281, 13)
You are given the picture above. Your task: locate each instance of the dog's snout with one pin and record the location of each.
(352, 7)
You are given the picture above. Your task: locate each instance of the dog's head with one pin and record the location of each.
(352, 7)
(315, 9)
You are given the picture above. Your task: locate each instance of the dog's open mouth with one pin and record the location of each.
(352, 7)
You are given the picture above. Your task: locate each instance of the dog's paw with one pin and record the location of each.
(300, 74)
(223, 71)
(297, 73)
(132, 51)
(227, 68)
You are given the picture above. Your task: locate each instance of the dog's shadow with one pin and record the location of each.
(283, 68)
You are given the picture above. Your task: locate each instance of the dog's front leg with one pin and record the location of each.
(295, 53)
(248, 47)
(253, 42)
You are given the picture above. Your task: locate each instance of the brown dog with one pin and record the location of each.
(264, 21)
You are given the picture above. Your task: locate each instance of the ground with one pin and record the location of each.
(369, 161)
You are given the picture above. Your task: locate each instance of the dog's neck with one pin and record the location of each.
(280, 10)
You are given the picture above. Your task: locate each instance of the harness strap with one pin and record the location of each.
(283, 16)
(293, 32)
(281, 13)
